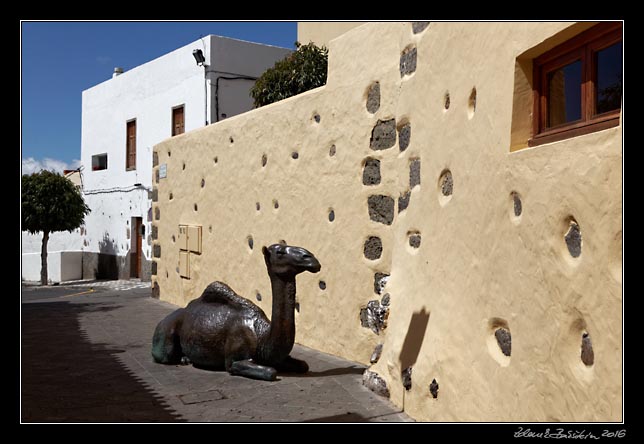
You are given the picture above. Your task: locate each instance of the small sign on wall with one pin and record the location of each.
(163, 171)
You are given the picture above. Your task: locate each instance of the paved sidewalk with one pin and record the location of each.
(86, 358)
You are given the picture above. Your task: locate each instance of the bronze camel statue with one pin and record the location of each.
(222, 330)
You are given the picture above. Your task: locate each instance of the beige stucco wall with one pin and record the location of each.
(321, 33)
(478, 266)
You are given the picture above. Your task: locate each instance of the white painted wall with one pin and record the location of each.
(147, 93)
(61, 266)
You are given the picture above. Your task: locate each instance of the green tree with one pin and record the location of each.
(302, 70)
(50, 203)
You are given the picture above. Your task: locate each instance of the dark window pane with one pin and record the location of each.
(564, 94)
(609, 78)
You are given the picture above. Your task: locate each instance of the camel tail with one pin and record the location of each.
(166, 343)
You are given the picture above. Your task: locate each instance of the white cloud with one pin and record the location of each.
(31, 165)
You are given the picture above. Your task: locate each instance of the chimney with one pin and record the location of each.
(117, 72)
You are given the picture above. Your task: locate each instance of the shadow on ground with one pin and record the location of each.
(66, 378)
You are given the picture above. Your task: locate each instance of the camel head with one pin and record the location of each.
(286, 260)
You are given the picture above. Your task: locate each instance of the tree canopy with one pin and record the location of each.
(50, 202)
(302, 70)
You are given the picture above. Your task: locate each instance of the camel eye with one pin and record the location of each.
(280, 253)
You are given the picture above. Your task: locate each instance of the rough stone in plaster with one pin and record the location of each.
(127, 233)
(373, 248)
(375, 356)
(383, 135)
(155, 194)
(375, 383)
(403, 201)
(264, 160)
(418, 27)
(447, 183)
(155, 231)
(258, 296)
(504, 339)
(573, 239)
(447, 100)
(381, 208)
(406, 378)
(371, 172)
(155, 159)
(322, 285)
(587, 353)
(250, 242)
(408, 61)
(154, 268)
(156, 250)
(404, 136)
(156, 290)
(386, 298)
(156, 176)
(332, 151)
(295, 155)
(414, 173)
(157, 213)
(374, 316)
(414, 240)
(331, 216)
(433, 388)
(373, 98)
(518, 208)
(379, 282)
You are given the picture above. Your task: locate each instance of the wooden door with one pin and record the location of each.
(137, 243)
(178, 121)
(130, 162)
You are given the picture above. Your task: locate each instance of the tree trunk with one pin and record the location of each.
(43, 259)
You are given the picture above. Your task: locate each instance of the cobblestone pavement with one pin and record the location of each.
(86, 358)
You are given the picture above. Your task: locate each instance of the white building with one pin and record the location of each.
(122, 119)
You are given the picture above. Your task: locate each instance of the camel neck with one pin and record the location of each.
(281, 334)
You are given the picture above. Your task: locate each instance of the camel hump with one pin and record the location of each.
(220, 293)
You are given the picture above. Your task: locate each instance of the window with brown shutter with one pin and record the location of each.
(178, 125)
(130, 154)
(578, 85)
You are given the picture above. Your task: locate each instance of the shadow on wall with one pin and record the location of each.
(107, 267)
(414, 339)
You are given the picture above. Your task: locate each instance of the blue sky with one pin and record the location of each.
(61, 59)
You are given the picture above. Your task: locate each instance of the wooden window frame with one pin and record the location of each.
(128, 166)
(172, 122)
(583, 47)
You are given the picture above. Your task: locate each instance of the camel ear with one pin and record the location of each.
(267, 254)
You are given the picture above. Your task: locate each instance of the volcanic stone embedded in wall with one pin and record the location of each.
(383, 135)
(414, 173)
(155, 232)
(573, 239)
(155, 158)
(374, 316)
(447, 183)
(403, 201)
(587, 353)
(408, 61)
(433, 388)
(157, 213)
(373, 248)
(504, 339)
(379, 282)
(154, 268)
(518, 208)
(406, 378)
(322, 285)
(375, 356)
(404, 136)
(375, 383)
(373, 98)
(156, 290)
(155, 194)
(331, 216)
(371, 172)
(156, 176)
(414, 240)
(418, 27)
(156, 250)
(381, 208)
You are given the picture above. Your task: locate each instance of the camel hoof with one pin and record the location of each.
(185, 360)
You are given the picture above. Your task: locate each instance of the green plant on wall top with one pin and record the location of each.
(302, 70)
(50, 202)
